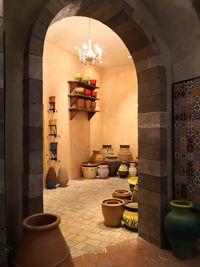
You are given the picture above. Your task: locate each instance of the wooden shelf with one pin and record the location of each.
(74, 84)
(74, 97)
(74, 111)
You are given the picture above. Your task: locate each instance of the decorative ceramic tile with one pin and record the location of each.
(186, 120)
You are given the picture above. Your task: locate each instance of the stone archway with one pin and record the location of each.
(152, 106)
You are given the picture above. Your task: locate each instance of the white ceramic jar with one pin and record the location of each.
(103, 171)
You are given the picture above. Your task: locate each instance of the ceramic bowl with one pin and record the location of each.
(94, 94)
(85, 79)
(78, 76)
(79, 90)
(93, 82)
(87, 92)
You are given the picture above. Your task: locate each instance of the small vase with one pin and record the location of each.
(53, 147)
(80, 103)
(132, 169)
(62, 177)
(130, 216)
(112, 210)
(103, 171)
(181, 226)
(42, 243)
(51, 178)
(93, 106)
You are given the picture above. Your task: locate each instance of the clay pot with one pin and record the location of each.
(87, 92)
(122, 194)
(93, 82)
(134, 197)
(79, 90)
(103, 171)
(52, 125)
(124, 153)
(113, 164)
(53, 147)
(112, 210)
(42, 243)
(93, 105)
(123, 170)
(130, 216)
(89, 170)
(96, 157)
(106, 150)
(52, 99)
(62, 177)
(78, 77)
(80, 103)
(87, 104)
(94, 94)
(51, 178)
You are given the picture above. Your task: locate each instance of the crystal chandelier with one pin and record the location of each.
(89, 55)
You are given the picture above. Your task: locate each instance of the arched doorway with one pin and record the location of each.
(152, 71)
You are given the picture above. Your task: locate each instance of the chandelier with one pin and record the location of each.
(89, 54)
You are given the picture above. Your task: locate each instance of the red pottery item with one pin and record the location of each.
(94, 94)
(93, 82)
(87, 92)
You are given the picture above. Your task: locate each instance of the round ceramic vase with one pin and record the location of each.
(89, 170)
(130, 216)
(182, 228)
(112, 210)
(132, 169)
(103, 171)
(42, 243)
(122, 194)
(51, 178)
(62, 177)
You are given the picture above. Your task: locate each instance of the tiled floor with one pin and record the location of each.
(91, 243)
(79, 206)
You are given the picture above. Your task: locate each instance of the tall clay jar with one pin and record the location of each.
(181, 227)
(42, 243)
(112, 210)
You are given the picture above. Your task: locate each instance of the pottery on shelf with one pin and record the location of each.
(52, 125)
(93, 105)
(132, 181)
(124, 153)
(86, 79)
(63, 177)
(87, 92)
(93, 82)
(42, 243)
(89, 170)
(96, 157)
(80, 103)
(122, 194)
(130, 215)
(94, 94)
(52, 99)
(79, 90)
(182, 228)
(103, 171)
(53, 147)
(78, 76)
(112, 210)
(132, 169)
(51, 178)
(87, 104)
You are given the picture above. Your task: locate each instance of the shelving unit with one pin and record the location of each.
(73, 97)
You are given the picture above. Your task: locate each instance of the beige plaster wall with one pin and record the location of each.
(74, 142)
(120, 104)
(115, 124)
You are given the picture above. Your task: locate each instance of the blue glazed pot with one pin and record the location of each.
(53, 147)
(182, 227)
(51, 179)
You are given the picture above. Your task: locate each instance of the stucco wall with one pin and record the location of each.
(115, 124)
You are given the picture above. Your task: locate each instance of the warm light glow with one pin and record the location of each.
(129, 56)
(88, 54)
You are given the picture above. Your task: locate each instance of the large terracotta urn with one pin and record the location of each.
(96, 157)
(42, 243)
(62, 177)
(182, 228)
(112, 210)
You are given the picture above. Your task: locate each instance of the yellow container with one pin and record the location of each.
(130, 215)
(132, 182)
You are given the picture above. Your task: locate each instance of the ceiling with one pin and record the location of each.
(74, 31)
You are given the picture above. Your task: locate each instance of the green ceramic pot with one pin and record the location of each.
(181, 227)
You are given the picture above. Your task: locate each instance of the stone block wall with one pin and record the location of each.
(152, 132)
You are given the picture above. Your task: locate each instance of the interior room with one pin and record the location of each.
(77, 135)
